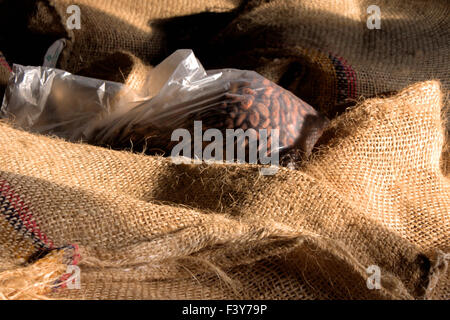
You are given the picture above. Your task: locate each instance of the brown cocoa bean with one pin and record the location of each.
(240, 119)
(291, 129)
(286, 102)
(276, 93)
(254, 119)
(263, 111)
(264, 100)
(275, 121)
(268, 92)
(282, 118)
(290, 141)
(275, 105)
(249, 91)
(283, 141)
(265, 123)
(247, 102)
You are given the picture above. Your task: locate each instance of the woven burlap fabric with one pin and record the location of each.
(106, 27)
(412, 45)
(150, 229)
(109, 26)
(374, 194)
(321, 50)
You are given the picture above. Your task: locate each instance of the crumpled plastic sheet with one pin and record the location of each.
(176, 93)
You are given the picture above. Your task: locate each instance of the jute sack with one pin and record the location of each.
(142, 227)
(321, 50)
(108, 26)
(324, 52)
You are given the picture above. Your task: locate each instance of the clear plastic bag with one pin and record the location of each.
(178, 94)
(183, 92)
(52, 101)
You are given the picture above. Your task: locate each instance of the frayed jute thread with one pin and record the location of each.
(437, 271)
(34, 281)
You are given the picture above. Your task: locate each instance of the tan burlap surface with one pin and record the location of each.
(113, 25)
(321, 50)
(376, 193)
(295, 41)
(146, 228)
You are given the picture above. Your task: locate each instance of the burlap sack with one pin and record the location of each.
(108, 26)
(321, 50)
(141, 227)
(145, 228)
(324, 52)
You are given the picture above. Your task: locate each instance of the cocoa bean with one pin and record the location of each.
(263, 111)
(240, 119)
(247, 102)
(254, 119)
(265, 123)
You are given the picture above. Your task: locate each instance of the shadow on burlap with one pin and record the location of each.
(145, 228)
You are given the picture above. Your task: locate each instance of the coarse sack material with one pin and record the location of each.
(322, 50)
(376, 194)
(324, 53)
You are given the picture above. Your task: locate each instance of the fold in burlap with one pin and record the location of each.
(374, 194)
(109, 26)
